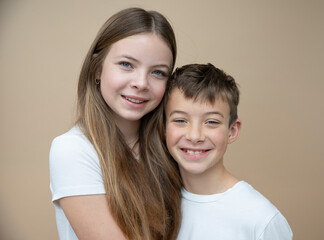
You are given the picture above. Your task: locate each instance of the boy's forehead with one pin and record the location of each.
(198, 98)
(178, 98)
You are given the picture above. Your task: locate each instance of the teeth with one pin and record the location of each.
(193, 152)
(134, 100)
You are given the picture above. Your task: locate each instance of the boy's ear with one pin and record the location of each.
(234, 131)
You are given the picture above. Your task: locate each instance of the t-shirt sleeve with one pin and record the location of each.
(277, 229)
(74, 167)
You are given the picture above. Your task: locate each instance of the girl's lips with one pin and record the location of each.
(136, 100)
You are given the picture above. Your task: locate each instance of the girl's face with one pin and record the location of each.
(134, 76)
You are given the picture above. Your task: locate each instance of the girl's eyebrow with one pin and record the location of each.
(162, 66)
(128, 57)
(137, 61)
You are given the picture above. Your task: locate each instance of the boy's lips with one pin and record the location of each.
(194, 154)
(194, 151)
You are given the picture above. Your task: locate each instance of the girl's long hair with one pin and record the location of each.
(143, 195)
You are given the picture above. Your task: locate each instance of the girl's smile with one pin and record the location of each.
(134, 75)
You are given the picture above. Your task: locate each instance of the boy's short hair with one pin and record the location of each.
(205, 82)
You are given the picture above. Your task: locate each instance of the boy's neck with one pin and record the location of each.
(211, 183)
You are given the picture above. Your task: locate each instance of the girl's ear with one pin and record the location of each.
(234, 131)
(98, 71)
(98, 74)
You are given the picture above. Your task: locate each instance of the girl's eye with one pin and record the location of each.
(125, 64)
(159, 73)
(179, 121)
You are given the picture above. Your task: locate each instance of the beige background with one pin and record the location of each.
(274, 49)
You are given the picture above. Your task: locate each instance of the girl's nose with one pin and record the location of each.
(140, 81)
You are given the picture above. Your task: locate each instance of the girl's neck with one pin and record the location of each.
(129, 129)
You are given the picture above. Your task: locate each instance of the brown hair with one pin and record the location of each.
(206, 83)
(144, 196)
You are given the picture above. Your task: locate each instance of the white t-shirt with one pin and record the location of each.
(74, 170)
(240, 213)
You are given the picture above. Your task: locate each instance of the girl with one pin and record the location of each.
(110, 176)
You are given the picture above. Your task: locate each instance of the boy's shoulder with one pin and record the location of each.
(248, 198)
(241, 198)
(240, 207)
(250, 202)
(256, 210)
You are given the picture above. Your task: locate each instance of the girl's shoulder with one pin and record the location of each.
(74, 138)
(72, 146)
(74, 134)
(74, 166)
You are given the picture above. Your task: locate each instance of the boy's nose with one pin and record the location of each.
(140, 81)
(195, 134)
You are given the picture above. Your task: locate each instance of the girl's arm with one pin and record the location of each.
(90, 217)
(77, 187)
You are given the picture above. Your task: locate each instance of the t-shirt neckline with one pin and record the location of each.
(212, 197)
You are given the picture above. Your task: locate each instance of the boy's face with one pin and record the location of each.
(197, 133)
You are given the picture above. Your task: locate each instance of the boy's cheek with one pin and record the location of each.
(171, 136)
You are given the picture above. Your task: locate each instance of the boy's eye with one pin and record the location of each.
(212, 122)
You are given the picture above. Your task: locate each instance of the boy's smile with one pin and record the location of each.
(197, 134)
(194, 152)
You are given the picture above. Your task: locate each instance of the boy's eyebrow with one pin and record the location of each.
(136, 60)
(207, 113)
(211, 113)
(177, 111)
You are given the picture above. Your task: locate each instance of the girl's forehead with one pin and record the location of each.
(146, 47)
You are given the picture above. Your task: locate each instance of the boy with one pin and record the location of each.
(201, 120)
